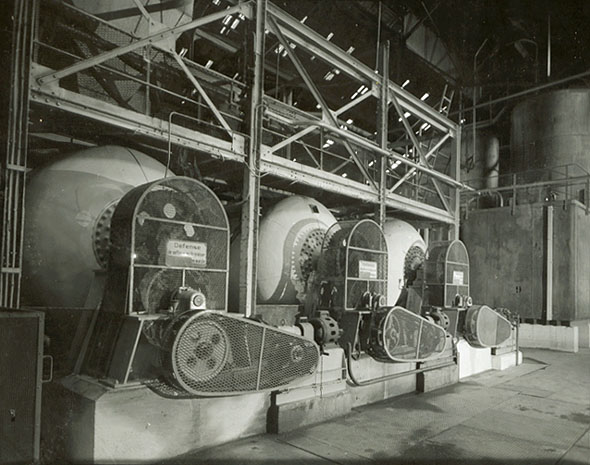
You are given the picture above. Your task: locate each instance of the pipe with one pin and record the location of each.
(527, 91)
(355, 382)
(492, 162)
(548, 45)
(475, 96)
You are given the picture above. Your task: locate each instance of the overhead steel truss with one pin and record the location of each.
(356, 163)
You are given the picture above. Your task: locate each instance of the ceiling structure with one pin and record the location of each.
(496, 47)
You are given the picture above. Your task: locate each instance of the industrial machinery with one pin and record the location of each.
(445, 290)
(153, 261)
(406, 254)
(163, 312)
(63, 259)
(342, 280)
(353, 272)
(290, 238)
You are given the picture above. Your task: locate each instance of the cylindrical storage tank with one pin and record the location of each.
(69, 204)
(289, 245)
(406, 250)
(550, 131)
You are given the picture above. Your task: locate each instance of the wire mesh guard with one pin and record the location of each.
(354, 260)
(484, 327)
(212, 353)
(174, 233)
(399, 335)
(446, 273)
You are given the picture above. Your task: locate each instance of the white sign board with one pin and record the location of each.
(458, 277)
(185, 253)
(367, 269)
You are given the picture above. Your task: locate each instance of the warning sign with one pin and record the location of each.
(458, 277)
(185, 253)
(367, 269)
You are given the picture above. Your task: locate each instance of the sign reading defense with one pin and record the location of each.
(185, 253)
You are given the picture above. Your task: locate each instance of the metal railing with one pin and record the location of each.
(564, 182)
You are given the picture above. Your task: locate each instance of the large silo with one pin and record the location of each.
(551, 131)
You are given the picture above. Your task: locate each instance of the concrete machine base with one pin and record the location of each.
(86, 421)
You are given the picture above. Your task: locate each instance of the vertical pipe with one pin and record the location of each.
(251, 193)
(382, 127)
(492, 162)
(548, 45)
(549, 266)
(474, 122)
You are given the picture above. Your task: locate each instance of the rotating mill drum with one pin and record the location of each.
(69, 204)
(290, 242)
(406, 255)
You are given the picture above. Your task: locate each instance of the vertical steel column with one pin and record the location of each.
(382, 126)
(15, 163)
(549, 265)
(251, 192)
(456, 175)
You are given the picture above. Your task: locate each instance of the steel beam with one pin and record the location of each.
(293, 138)
(410, 173)
(328, 115)
(382, 127)
(251, 191)
(202, 92)
(136, 122)
(395, 156)
(423, 160)
(311, 40)
(244, 8)
(296, 172)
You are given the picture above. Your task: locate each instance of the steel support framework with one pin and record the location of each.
(251, 190)
(14, 168)
(45, 91)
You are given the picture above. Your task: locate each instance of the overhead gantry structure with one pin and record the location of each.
(288, 110)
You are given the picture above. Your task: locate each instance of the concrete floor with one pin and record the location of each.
(536, 413)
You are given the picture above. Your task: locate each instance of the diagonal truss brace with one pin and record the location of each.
(244, 8)
(328, 114)
(423, 160)
(430, 153)
(307, 130)
(202, 92)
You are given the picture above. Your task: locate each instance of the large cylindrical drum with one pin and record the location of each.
(289, 245)
(69, 204)
(550, 131)
(406, 250)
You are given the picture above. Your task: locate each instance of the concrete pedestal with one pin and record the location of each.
(583, 332)
(87, 422)
(472, 360)
(549, 337)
